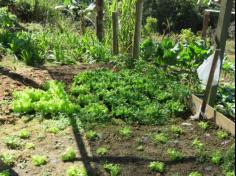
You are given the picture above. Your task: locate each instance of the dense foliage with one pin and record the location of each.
(149, 98)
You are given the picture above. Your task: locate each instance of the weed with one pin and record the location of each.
(24, 134)
(177, 130)
(174, 154)
(13, 142)
(157, 167)
(203, 125)
(39, 160)
(222, 135)
(216, 157)
(74, 171)
(160, 138)
(5, 173)
(126, 132)
(102, 151)
(112, 169)
(91, 135)
(8, 159)
(195, 173)
(69, 155)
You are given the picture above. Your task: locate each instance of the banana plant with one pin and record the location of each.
(75, 9)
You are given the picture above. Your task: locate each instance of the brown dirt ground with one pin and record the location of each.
(121, 151)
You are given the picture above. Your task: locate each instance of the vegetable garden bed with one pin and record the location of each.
(183, 146)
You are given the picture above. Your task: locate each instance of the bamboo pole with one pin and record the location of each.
(99, 19)
(138, 27)
(115, 26)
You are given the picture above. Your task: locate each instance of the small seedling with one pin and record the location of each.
(7, 159)
(102, 151)
(39, 160)
(30, 146)
(12, 142)
(112, 169)
(125, 132)
(216, 157)
(53, 130)
(174, 154)
(160, 138)
(69, 155)
(24, 134)
(222, 135)
(157, 167)
(197, 144)
(74, 171)
(203, 125)
(5, 173)
(177, 130)
(195, 174)
(91, 135)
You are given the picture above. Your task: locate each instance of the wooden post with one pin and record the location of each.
(221, 37)
(115, 26)
(99, 19)
(206, 21)
(209, 83)
(138, 27)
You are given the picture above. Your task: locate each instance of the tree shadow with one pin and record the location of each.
(9, 169)
(20, 78)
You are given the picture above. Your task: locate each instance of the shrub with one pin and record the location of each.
(181, 17)
(7, 20)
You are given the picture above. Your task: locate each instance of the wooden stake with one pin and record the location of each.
(221, 37)
(138, 27)
(99, 19)
(115, 26)
(206, 21)
(209, 83)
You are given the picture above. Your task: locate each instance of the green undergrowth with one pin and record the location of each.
(147, 98)
(99, 96)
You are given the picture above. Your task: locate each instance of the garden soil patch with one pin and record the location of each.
(124, 152)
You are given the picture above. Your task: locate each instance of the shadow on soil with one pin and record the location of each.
(10, 170)
(19, 78)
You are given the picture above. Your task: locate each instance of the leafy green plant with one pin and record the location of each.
(126, 132)
(5, 173)
(53, 130)
(229, 160)
(195, 173)
(230, 173)
(74, 171)
(197, 144)
(39, 160)
(160, 138)
(177, 130)
(216, 157)
(91, 135)
(69, 155)
(112, 169)
(101, 151)
(30, 145)
(13, 142)
(203, 125)
(53, 100)
(222, 135)
(8, 20)
(174, 154)
(150, 26)
(8, 159)
(157, 167)
(24, 134)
